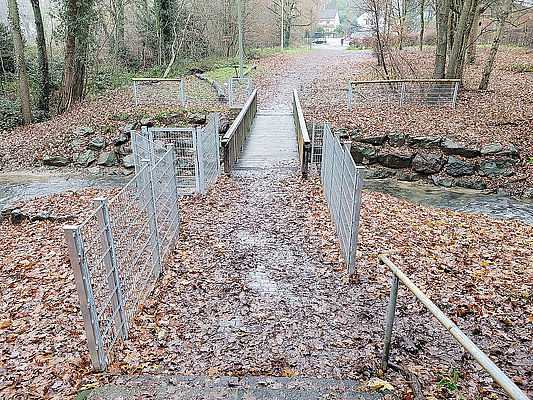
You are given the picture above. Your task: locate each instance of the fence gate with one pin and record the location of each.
(316, 143)
(342, 182)
(239, 90)
(196, 153)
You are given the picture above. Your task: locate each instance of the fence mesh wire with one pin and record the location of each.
(118, 250)
(210, 161)
(196, 153)
(239, 90)
(158, 91)
(316, 143)
(342, 182)
(402, 93)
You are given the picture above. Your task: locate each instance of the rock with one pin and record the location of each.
(98, 143)
(451, 147)
(6, 211)
(126, 171)
(477, 185)
(446, 182)
(83, 131)
(409, 176)
(94, 170)
(147, 122)
(223, 124)
(378, 173)
(126, 129)
(124, 150)
(341, 135)
(197, 118)
(457, 167)
(510, 152)
(85, 158)
(428, 163)
(128, 161)
(363, 154)
(394, 160)
(424, 142)
(375, 140)
(108, 159)
(397, 139)
(77, 144)
(121, 139)
(491, 148)
(17, 217)
(56, 161)
(499, 166)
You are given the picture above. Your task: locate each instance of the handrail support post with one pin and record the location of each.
(390, 322)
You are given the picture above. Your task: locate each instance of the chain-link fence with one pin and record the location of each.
(239, 90)
(197, 153)
(117, 253)
(342, 182)
(158, 91)
(406, 92)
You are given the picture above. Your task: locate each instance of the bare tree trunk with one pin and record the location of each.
(44, 97)
(483, 85)
(460, 37)
(474, 32)
(20, 61)
(421, 42)
(442, 17)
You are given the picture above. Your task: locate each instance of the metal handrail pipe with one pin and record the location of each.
(156, 79)
(408, 80)
(488, 365)
(233, 128)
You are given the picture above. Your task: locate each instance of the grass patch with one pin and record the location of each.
(352, 47)
(518, 67)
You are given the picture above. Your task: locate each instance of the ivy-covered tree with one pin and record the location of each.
(78, 21)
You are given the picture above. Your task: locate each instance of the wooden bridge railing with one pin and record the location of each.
(304, 143)
(234, 139)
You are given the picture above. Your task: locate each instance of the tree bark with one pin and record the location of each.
(44, 97)
(474, 32)
(483, 85)
(460, 38)
(442, 19)
(20, 61)
(73, 80)
(421, 41)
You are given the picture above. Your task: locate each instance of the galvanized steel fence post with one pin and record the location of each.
(350, 94)
(200, 157)
(85, 295)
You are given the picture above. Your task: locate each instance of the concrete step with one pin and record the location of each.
(226, 387)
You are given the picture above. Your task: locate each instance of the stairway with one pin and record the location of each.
(231, 388)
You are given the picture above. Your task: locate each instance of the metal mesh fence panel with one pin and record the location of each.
(239, 90)
(210, 153)
(316, 143)
(342, 182)
(117, 252)
(184, 141)
(158, 91)
(403, 93)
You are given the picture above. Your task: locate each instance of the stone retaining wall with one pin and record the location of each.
(440, 160)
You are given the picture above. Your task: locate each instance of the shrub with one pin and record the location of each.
(9, 113)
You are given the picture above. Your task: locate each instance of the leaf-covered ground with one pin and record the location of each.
(256, 286)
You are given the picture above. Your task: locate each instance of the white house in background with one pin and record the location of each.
(329, 20)
(365, 21)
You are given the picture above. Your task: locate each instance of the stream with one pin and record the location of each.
(499, 205)
(17, 187)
